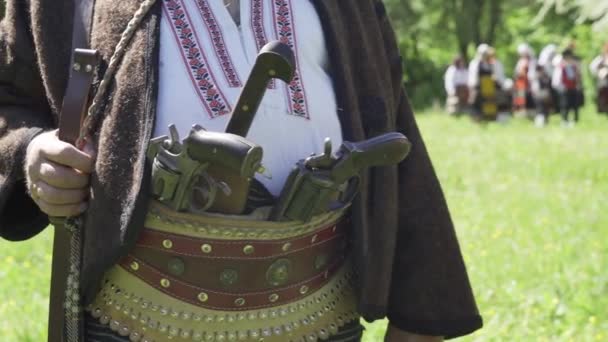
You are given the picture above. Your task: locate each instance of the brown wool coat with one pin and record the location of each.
(407, 254)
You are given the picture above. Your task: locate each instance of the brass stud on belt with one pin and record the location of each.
(89, 68)
(114, 325)
(96, 313)
(239, 301)
(206, 248)
(273, 297)
(203, 297)
(249, 249)
(77, 66)
(272, 72)
(168, 244)
(105, 319)
(245, 108)
(165, 283)
(286, 247)
(134, 266)
(135, 336)
(304, 289)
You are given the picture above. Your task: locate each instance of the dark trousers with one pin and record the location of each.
(570, 101)
(542, 107)
(97, 332)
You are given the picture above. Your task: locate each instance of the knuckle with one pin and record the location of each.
(45, 169)
(63, 151)
(50, 194)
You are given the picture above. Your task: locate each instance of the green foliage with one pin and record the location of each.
(432, 32)
(587, 10)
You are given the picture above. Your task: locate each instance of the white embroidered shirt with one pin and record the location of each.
(205, 59)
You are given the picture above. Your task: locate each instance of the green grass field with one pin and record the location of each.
(530, 209)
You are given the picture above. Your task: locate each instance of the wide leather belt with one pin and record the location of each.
(237, 274)
(219, 278)
(237, 249)
(226, 301)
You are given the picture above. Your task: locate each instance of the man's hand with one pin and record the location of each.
(57, 175)
(394, 334)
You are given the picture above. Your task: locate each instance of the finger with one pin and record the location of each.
(33, 190)
(53, 195)
(67, 155)
(62, 177)
(61, 210)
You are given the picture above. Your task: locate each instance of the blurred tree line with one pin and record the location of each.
(432, 32)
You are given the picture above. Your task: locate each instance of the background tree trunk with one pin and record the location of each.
(494, 19)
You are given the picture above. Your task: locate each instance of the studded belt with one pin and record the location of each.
(238, 274)
(216, 277)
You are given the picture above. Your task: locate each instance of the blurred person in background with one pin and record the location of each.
(567, 81)
(546, 57)
(455, 83)
(547, 60)
(523, 76)
(599, 70)
(499, 69)
(504, 88)
(578, 61)
(542, 94)
(483, 85)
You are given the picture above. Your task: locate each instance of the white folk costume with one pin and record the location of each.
(546, 57)
(456, 87)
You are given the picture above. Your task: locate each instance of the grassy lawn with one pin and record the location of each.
(530, 209)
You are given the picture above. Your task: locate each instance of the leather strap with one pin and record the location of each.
(75, 101)
(245, 275)
(82, 67)
(225, 301)
(236, 249)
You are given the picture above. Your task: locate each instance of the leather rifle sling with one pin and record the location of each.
(65, 307)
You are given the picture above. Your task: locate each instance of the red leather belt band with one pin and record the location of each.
(225, 301)
(237, 249)
(245, 274)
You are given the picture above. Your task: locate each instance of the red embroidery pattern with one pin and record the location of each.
(257, 27)
(217, 38)
(195, 60)
(284, 28)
